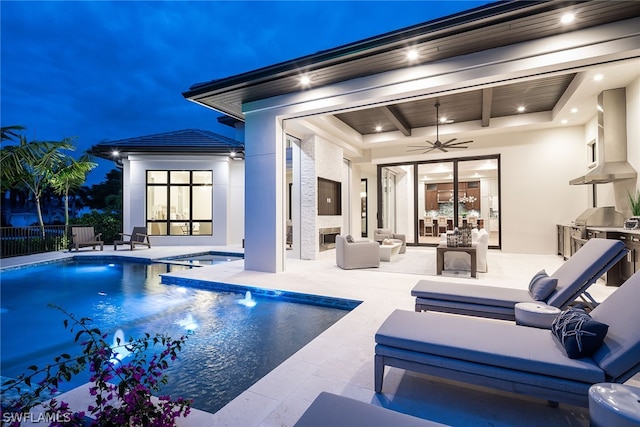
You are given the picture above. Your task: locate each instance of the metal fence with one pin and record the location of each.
(17, 241)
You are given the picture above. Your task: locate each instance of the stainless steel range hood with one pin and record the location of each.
(612, 141)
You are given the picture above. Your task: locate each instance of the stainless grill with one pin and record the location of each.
(606, 216)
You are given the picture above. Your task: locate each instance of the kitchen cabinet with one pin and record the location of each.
(431, 197)
(565, 241)
(628, 265)
(434, 194)
(473, 190)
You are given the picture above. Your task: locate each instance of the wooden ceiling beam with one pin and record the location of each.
(396, 118)
(487, 102)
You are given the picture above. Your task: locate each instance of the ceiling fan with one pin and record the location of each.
(442, 146)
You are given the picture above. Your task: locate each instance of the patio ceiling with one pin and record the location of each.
(476, 30)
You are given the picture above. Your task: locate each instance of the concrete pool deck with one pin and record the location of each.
(340, 360)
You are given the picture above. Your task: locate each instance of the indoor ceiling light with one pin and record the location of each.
(378, 128)
(564, 121)
(115, 153)
(412, 55)
(574, 110)
(567, 18)
(597, 77)
(521, 109)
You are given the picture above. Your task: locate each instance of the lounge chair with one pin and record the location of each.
(338, 411)
(138, 236)
(575, 275)
(510, 357)
(85, 236)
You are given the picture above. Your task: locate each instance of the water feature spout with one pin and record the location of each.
(188, 323)
(247, 301)
(119, 348)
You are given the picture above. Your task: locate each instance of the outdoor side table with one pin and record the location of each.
(536, 314)
(612, 404)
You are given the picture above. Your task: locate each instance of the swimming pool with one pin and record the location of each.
(205, 258)
(233, 346)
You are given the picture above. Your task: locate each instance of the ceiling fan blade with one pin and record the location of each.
(449, 141)
(441, 148)
(458, 143)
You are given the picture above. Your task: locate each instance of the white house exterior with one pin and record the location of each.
(186, 187)
(518, 48)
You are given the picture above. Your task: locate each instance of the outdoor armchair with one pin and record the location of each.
(138, 236)
(85, 236)
(352, 253)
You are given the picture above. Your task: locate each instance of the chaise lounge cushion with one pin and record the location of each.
(620, 351)
(578, 333)
(574, 277)
(471, 293)
(485, 342)
(330, 410)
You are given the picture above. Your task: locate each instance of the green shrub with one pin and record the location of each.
(109, 224)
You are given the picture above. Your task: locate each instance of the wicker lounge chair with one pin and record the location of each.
(138, 236)
(510, 357)
(85, 236)
(579, 272)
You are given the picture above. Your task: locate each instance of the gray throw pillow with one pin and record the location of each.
(541, 286)
(579, 334)
(349, 239)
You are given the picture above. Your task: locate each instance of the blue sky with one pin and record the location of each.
(99, 70)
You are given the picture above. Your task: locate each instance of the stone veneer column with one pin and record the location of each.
(308, 199)
(319, 158)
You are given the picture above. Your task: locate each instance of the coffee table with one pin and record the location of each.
(443, 248)
(388, 251)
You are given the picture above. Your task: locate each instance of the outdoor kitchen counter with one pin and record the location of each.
(615, 230)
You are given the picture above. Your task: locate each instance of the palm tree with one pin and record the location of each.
(69, 175)
(31, 165)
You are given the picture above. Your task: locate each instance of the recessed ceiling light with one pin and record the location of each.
(378, 128)
(564, 121)
(305, 80)
(521, 109)
(443, 120)
(115, 153)
(598, 77)
(574, 110)
(412, 55)
(567, 18)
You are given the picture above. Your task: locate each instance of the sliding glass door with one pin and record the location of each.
(442, 195)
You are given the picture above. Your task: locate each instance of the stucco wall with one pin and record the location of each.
(134, 195)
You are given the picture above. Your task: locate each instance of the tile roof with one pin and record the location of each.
(187, 141)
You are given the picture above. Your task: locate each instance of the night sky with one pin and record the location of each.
(102, 70)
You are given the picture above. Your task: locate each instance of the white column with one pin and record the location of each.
(264, 201)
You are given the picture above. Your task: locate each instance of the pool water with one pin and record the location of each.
(232, 347)
(205, 258)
